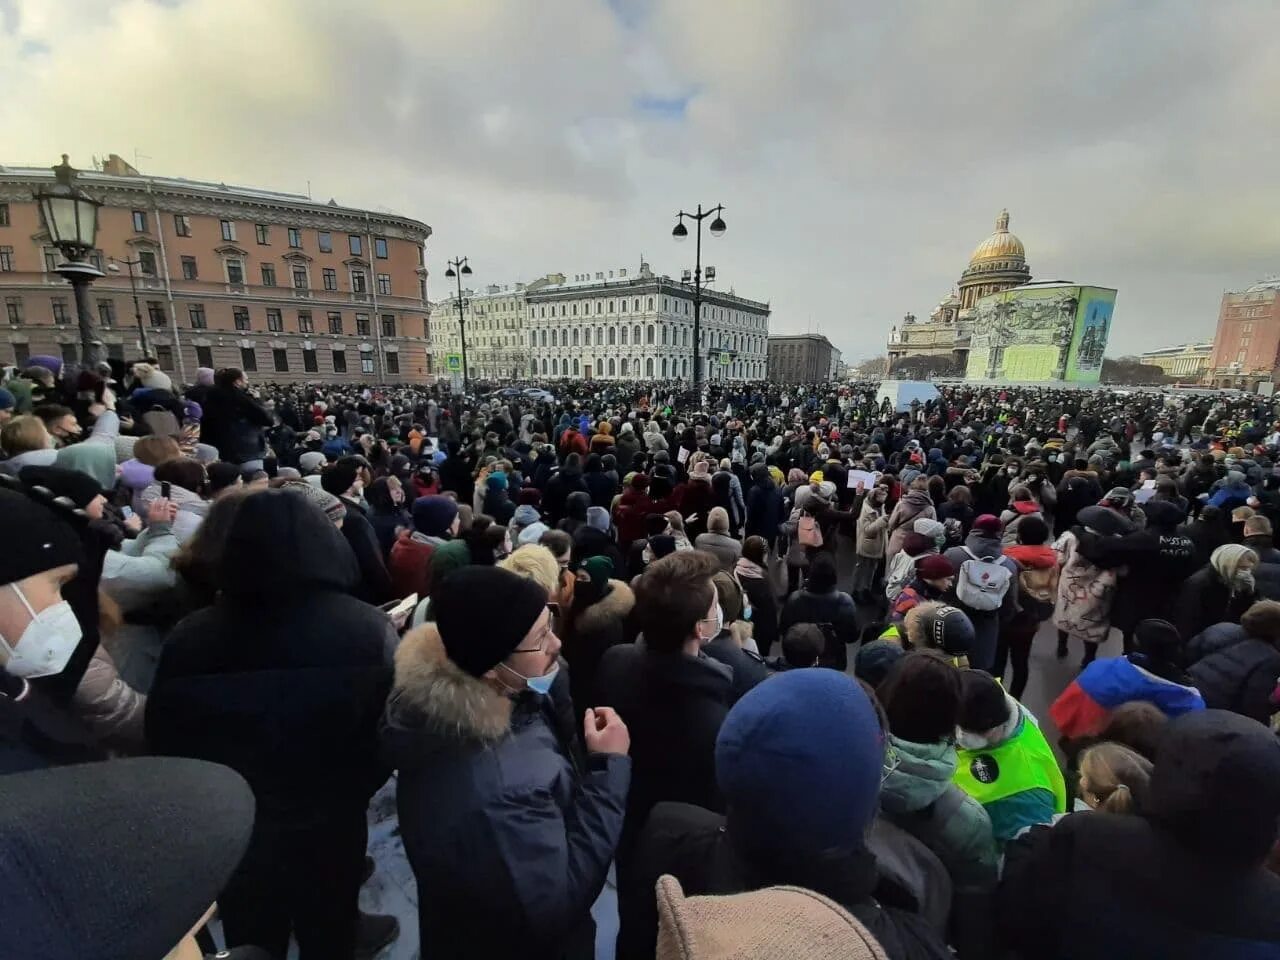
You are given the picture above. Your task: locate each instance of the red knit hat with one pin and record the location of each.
(934, 566)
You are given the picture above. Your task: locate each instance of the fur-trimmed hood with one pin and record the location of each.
(617, 604)
(431, 693)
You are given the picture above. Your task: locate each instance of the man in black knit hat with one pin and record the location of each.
(509, 831)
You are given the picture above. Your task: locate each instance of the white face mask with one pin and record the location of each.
(719, 625)
(46, 644)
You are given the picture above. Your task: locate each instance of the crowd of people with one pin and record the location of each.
(753, 658)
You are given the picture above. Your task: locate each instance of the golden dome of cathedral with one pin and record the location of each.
(1001, 245)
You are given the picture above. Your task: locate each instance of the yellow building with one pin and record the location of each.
(998, 263)
(1187, 361)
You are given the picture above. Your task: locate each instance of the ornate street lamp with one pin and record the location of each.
(71, 217)
(681, 232)
(457, 270)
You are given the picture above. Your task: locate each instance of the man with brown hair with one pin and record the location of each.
(671, 696)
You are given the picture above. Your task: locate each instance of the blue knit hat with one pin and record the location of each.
(799, 762)
(432, 516)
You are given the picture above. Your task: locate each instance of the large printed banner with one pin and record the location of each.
(1054, 332)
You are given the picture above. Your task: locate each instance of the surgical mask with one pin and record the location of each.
(1244, 580)
(47, 642)
(1012, 471)
(540, 685)
(719, 625)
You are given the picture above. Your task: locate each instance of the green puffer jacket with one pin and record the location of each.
(919, 796)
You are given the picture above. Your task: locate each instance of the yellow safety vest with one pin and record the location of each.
(1023, 762)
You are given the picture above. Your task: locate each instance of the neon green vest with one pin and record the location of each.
(1023, 762)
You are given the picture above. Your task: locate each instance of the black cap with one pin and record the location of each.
(76, 485)
(116, 860)
(35, 538)
(983, 705)
(484, 614)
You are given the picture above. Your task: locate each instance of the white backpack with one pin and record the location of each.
(901, 569)
(982, 582)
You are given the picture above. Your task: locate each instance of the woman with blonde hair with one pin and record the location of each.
(1114, 778)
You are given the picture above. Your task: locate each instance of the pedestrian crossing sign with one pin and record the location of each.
(453, 362)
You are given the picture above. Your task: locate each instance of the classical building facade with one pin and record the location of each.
(495, 324)
(284, 287)
(1246, 345)
(998, 263)
(801, 358)
(618, 327)
(1187, 361)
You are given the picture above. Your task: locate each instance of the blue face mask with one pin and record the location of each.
(543, 684)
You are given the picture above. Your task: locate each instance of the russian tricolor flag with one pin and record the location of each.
(1085, 706)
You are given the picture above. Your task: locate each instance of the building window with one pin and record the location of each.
(196, 312)
(235, 273)
(60, 313)
(543, 335)
(388, 324)
(362, 324)
(275, 321)
(280, 359)
(268, 275)
(228, 230)
(330, 278)
(189, 271)
(156, 314)
(263, 233)
(339, 361)
(624, 335)
(648, 334)
(140, 221)
(300, 278)
(21, 354)
(13, 309)
(384, 284)
(366, 361)
(354, 244)
(241, 315)
(295, 238)
(305, 324)
(68, 351)
(651, 306)
(4, 214)
(309, 364)
(147, 263)
(6, 259)
(575, 338)
(380, 247)
(325, 242)
(182, 225)
(357, 282)
(248, 360)
(335, 323)
(204, 357)
(624, 306)
(392, 361)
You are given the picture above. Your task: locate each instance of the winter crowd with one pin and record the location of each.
(753, 660)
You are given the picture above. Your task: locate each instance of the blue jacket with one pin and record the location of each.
(509, 830)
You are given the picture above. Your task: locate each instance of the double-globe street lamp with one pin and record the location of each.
(681, 232)
(71, 217)
(114, 267)
(457, 270)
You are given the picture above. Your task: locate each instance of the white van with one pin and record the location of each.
(900, 393)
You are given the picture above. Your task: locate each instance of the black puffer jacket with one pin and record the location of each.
(235, 423)
(1233, 671)
(283, 679)
(509, 837)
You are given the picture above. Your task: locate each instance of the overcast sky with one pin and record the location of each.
(861, 150)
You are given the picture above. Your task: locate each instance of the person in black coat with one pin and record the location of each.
(1183, 878)
(1235, 666)
(821, 603)
(764, 505)
(752, 571)
(1219, 592)
(343, 480)
(283, 679)
(802, 797)
(567, 480)
(595, 538)
(595, 624)
(672, 697)
(598, 483)
(509, 827)
(233, 421)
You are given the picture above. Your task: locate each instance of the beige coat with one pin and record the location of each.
(873, 530)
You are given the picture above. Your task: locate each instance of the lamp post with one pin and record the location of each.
(114, 267)
(71, 217)
(681, 232)
(457, 270)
